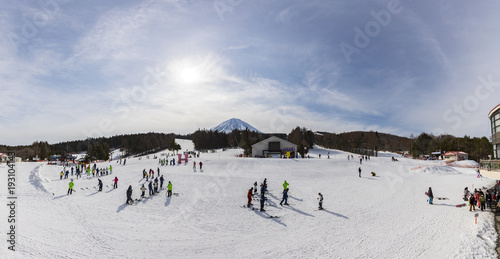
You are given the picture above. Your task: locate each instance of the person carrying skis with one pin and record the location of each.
(115, 185)
(129, 195)
(143, 190)
(169, 187)
(431, 196)
(285, 185)
(285, 197)
(70, 190)
(99, 184)
(359, 170)
(320, 199)
(249, 196)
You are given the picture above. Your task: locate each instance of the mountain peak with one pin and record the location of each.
(232, 124)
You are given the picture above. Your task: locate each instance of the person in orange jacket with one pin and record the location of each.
(249, 196)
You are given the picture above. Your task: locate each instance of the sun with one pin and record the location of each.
(188, 75)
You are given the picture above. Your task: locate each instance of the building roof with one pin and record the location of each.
(493, 111)
(451, 153)
(274, 138)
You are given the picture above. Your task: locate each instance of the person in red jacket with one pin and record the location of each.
(201, 164)
(249, 196)
(116, 183)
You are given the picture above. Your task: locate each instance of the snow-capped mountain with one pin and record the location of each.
(232, 124)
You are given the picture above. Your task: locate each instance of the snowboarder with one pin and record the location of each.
(285, 197)
(143, 190)
(129, 195)
(359, 170)
(71, 184)
(249, 196)
(285, 185)
(320, 199)
(99, 184)
(169, 187)
(115, 185)
(431, 196)
(466, 193)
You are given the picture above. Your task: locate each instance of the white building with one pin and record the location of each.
(274, 147)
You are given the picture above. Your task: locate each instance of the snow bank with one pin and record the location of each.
(441, 170)
(465, 163)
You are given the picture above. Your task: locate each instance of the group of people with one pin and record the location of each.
(481, 199)
(263, 189)
(153, 189)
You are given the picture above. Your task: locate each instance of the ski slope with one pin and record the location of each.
(386, 216)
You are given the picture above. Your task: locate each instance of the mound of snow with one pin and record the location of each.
(36, 180)
(439, 170)
(465, 163)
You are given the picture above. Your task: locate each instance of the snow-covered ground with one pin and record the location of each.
(386, 216)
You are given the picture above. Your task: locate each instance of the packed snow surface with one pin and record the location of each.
(385, 216)
(465, 163)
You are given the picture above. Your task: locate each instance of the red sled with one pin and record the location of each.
(460, 205)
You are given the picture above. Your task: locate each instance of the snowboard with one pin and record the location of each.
(460, 205)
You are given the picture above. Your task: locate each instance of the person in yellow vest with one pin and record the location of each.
(70, 190)
(169, 187)
(285, 185)
(61, 175)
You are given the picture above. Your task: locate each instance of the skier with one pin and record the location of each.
(255, 187)
(488, 198)
(478, 172)
(262, 201)
(249, 196)
(61, 174)
(285, 185)
(285, 197)
(194, 166)
(361, 161)
(169, 187)
(129, 195)
(320, 199)
(143, 190)
(71, 184)
(99, 184)
(431, 196)
(124, 161)
(115, 185)
(201, 164)
(359, 170)
(472, 203)
(150, 187)
(161, 182)
(155, 185)
(110, 169)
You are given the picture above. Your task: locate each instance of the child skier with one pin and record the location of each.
(320, 199)
(249, 196)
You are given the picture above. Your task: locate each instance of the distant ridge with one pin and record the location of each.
(232, 124)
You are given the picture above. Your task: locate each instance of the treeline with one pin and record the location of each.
(131, 144)
(477, 148)
(363, 142)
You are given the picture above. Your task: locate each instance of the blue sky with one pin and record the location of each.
(77, 69)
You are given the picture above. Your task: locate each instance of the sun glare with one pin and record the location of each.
(188, 75)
